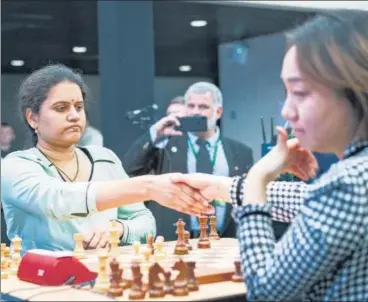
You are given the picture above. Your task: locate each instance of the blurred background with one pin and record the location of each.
(134, 54)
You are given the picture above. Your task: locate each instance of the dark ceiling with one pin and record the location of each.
(40, 32)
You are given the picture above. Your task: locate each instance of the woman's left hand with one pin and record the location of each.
(286, 157)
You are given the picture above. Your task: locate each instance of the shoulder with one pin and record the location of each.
(349, 175)
(236, 144)
(20, 156)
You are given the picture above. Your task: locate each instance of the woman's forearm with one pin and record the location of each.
(113, 194)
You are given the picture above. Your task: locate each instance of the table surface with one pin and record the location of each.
(32, 292)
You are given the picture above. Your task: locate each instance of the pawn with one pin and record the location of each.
(168, 286)
(137, 257)
(159, 254)
(150, 243)
(4, 264)
(238, 276)
(147, 258)
(16, 257)
(186, 239)
(192, 281)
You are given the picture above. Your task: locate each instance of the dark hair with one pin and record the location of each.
(177, 100)
(332, 49)
(35, 88)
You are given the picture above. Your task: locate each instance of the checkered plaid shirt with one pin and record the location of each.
(324, 254)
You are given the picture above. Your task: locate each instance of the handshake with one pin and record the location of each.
(192, 193)
(189, 193)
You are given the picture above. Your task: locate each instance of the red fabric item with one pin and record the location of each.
(53, 268)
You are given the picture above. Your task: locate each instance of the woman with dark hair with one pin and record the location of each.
(323, 256)
(56, 189)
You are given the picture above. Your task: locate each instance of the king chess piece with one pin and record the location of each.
(203, 241)
(181, 247)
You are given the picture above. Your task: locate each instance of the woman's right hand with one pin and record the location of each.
(178, 196)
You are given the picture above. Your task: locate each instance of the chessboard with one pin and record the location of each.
(214, 264)
(179, 269)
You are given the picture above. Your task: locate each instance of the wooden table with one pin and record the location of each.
(222, 253)
(31, 292)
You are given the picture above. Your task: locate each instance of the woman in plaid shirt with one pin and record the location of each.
(324, 254)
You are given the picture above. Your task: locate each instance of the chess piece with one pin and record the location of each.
(16, 257)
(213, 231)
(7, 256)
(168, 287)
(123, 283)
(102, 280)
(238, 275)
(114, 239)
(159, 254)
(137, 257)
(155, 285)
(146, 251)
(180, 247)
(136, 291)
(181, 282)
(115, 279)
(186, 239)
(150, 243)
(192, 281)
(79, 252)
(4, 263)
(203, 241)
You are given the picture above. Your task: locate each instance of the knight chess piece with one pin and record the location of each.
(238, 275)
(115, 279)
(213, 232)
(192, 280)
(181, 247)
(155, 285)
(180, 287)
(203, 241)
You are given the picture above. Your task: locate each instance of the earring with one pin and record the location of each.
(36, 131)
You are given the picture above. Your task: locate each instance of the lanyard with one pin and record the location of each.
(214, 157)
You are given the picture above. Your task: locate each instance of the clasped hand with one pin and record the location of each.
(191, 193)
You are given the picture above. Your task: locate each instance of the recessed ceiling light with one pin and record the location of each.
(198, 23)
(185, 68)
(79, 49)
(17, 63)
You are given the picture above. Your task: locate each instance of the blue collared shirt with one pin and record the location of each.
(45, 212)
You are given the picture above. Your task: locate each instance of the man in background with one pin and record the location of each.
(7, 136)
(176, 107)
(163, 150)
(91, 136)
